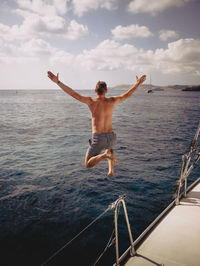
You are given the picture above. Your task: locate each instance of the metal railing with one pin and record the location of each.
(116, 206)
(187, 165)
(113, 206)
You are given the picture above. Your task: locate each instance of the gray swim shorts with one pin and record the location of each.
(100, 141)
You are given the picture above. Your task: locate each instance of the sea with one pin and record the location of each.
(47, 196)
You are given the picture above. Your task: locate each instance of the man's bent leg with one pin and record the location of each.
(111, 162)
(110, 166)
(91, 161)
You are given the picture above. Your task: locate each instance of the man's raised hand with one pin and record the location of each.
(141, 79)
(52, 76)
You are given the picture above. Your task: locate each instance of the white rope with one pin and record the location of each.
(109, 244)
(68, 243)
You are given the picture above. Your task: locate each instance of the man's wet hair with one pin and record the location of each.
(101, 87)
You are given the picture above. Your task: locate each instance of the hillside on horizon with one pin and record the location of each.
(155, 87)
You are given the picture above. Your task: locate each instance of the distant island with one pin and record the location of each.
(192, 88)
(149, 87)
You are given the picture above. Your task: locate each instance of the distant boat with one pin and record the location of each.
(150, 90)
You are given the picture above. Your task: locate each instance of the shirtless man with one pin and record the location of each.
(101, 109)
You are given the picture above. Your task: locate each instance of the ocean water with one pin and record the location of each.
(46, 194)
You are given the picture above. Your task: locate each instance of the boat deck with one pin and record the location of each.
(175, 241)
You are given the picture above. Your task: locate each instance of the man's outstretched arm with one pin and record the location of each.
(124, 96)
(71, 92)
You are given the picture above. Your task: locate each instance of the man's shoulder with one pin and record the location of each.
(106, 99)
(111, 99)
(92, 99)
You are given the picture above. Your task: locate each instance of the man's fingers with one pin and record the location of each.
(49, 74)
(143, 78)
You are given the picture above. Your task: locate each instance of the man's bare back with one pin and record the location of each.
(101, 109)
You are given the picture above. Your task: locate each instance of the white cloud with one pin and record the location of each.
(32, 26)
(40, 18)
(131, 31)
(164, 35)
(44, 7)
(60, 7)
(109, 55)
(7, 49)
(37, 47)
(182, 56)
(62, 57)
(13, 54)
(76, 30)
(154, 6)
(35, 25)
(82, 6)
(10, 60)
(33, 51)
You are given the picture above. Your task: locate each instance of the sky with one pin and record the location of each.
(90, 40)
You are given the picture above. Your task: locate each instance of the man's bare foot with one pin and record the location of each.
(109, 155)
(111, 173)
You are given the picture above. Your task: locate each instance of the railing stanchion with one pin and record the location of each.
(116, 235)
(129, 229)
